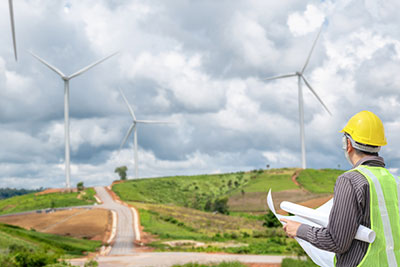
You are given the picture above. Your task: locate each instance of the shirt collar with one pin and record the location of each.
(376, 161)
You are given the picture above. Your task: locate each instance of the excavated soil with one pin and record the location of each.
(92, 224)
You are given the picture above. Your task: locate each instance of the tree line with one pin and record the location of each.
(11, 192)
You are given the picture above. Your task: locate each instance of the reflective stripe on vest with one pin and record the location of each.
(387, 229)
(398, 189)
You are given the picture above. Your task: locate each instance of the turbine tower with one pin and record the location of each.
(300, 77)
(133, 128)
(66, 80)
(10, 5)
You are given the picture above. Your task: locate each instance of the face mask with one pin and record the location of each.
(344, 147)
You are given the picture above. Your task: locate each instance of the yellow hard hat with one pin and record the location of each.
(366, 128)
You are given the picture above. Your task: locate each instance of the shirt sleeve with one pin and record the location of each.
(343, 221)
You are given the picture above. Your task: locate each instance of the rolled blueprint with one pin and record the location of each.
(321, 217)
(320, 257)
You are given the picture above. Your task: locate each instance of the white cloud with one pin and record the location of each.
(310, 20)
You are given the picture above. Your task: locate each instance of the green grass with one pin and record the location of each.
(187, 191)
(55, 200)
(215, 230)
(287, 262)
(222, 264)
(319, 181)
(16, 236)
(271, 180)
(195, 191)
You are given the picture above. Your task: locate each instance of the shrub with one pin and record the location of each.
(79, 186)
(221, 205)
(270, 220)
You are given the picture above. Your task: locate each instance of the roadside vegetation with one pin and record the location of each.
(35, 201)
(21, 247)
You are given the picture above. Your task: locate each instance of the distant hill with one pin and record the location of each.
(246, 190)
(11, 192)
(34, 201)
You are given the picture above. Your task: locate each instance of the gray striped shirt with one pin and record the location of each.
(350, 209)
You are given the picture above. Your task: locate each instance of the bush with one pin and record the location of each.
(80, 187)
(21, 256)
(221, 205)
(270, 220)
(91, 263)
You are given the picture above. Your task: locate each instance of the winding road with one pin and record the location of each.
(123, 244)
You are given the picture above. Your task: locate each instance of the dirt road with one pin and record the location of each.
(125, 236)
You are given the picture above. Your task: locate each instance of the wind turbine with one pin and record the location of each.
(66, 80)
(133, 128)
(10, 5)
(300, 77)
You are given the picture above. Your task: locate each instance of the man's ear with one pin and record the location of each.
(349, 146)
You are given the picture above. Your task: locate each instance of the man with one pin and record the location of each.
(366, 195)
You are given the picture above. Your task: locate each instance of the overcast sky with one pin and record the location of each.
(200, 64)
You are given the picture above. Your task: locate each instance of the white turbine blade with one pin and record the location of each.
(312, 48)
(129, 106)
(10, 5)
(79, 72)
(127, 135)
(48, 65)
(312, 90)
(154, 122)
(280, 77)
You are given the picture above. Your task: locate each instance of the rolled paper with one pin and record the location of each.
(320, 257)
(321, 218)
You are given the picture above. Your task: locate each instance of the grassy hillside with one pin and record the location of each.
(275, 179)
(195, 191)
(20, 247)
(16, 236)
(188, 191)
(319, 181)
(54, 200)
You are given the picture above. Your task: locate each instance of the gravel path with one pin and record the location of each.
(125, 236)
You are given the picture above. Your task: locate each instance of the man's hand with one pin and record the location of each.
(290, 227)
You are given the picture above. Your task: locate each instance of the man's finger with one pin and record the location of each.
(284, 220)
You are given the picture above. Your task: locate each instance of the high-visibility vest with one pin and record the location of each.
(384, 190)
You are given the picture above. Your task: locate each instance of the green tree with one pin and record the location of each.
(121, 172)
(79, 186)
(208, 205)
(270, 220)
(221, 205)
